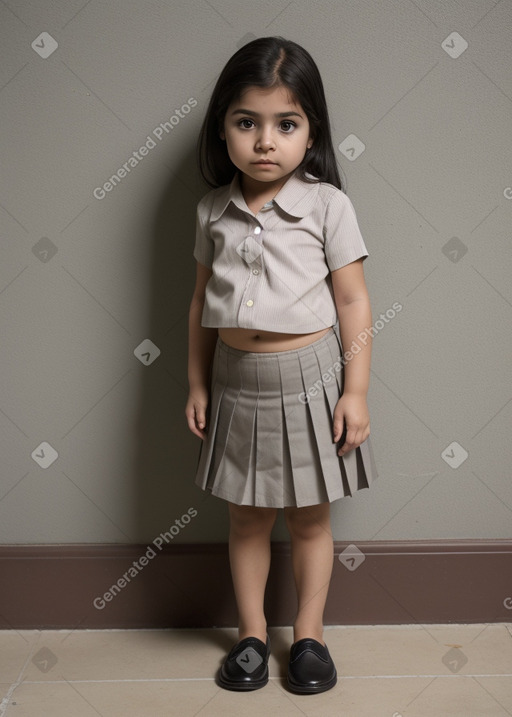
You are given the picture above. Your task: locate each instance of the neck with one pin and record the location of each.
(252, 189)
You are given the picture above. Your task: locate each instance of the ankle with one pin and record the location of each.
(258, 630)
(311, 631)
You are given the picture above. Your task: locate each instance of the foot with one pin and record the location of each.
(246, 666)
(311, 668)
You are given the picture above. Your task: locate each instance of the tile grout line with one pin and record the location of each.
(4, 704)
(275, 679)
(382, 626)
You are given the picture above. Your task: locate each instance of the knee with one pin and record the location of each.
(246, 520)
(308, 523)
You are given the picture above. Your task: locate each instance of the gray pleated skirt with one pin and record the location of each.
(269, 425)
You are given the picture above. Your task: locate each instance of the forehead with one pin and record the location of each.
(271, 97)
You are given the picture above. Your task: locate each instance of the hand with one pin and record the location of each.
(352, 411)
(195, 411)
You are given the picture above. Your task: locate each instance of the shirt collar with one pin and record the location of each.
(296, 197)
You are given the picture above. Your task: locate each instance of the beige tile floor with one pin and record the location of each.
(383, 671)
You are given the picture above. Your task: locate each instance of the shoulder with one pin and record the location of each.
(336, 215)
(205, 204)
(338, 207)
(332, 207)
(333, 198)
(329, 196)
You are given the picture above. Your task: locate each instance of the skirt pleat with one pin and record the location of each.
(323, 404)
(302, 484)
(269, 428)
(268, 476)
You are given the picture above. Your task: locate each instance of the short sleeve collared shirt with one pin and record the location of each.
(271, 270)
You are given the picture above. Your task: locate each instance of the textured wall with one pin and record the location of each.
(88, 277)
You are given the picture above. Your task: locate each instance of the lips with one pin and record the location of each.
(264, 161)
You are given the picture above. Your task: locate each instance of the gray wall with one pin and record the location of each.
(85, 280)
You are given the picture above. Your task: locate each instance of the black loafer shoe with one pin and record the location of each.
(311, 668)
(246, 666)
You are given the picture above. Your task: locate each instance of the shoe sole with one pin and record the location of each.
(312, 689)
(242, 686)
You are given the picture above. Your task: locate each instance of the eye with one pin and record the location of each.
(242, 125)
(287, 126)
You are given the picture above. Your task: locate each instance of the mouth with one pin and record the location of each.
(264, 161)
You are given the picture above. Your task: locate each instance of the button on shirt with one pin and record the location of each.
(271, 270)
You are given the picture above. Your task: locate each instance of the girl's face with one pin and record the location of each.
(267, 135)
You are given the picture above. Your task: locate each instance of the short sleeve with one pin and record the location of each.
(343, 242)
(203, 249)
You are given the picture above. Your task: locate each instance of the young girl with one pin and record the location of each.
(281, 410)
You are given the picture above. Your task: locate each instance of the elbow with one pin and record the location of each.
(197, 302)
(353, 300)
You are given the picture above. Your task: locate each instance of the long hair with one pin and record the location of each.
(268, 62)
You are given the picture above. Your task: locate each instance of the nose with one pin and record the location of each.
(265, 140)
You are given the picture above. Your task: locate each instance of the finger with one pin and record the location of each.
(337, 426)
(350, 442)
(354, 439)
(200, 417)
(200, 423)
(201, 433)
(193, 425)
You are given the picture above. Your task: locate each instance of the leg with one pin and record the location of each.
(249, 556)
(312, 561)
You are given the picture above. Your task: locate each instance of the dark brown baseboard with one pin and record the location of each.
(375, 583)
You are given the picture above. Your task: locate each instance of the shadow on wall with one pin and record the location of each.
(169, 508)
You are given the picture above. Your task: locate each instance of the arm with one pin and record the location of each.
(201, 345)
(354, 315)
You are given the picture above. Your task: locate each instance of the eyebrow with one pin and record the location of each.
(256, 114)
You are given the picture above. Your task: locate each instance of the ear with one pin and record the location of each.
(310, 143)
(222, 134)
